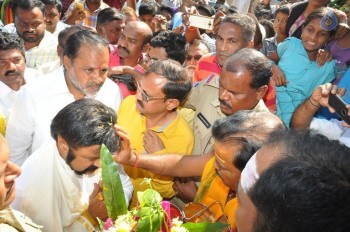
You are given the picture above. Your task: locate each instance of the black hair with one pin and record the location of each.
(305, 190)
(9, 41)
(65, 33)
(56, 3)
(109, 14)
(83, 38)
(179, 83)
(249, 128)
(265, 14)
(173, 43)
(253, 61)
(283, 10)
(268, 25)
(27, 5)
(86, 122)
(207, 9)
(226, 10)
(167, 9)
(244, 22)
(319, 14)
(149, 7)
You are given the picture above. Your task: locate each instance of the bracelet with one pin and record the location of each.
(313, 103)
(137, 160)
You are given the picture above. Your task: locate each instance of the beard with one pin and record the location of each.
(69, 160)
(30, 39)
(92, 86)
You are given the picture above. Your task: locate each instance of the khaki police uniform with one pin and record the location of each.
(14, 221)
(204, 100)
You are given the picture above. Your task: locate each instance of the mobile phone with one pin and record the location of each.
(126, 79)
(339, 105)
(202, 22)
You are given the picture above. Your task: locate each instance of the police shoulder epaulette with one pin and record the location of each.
(211, 76)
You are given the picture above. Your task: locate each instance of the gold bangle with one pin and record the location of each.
(313, 103)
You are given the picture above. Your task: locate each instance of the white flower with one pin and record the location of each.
(176, 227)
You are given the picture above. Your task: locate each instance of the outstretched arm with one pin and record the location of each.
(167, 164)
(303, 115)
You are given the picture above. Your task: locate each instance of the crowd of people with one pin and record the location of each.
(235, 119)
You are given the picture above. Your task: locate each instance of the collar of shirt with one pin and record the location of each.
(5, 90)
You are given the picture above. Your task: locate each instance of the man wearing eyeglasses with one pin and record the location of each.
(194, 52)
(152, 121)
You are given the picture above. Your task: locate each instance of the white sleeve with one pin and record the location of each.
(20, 127)
(127, 185)
(332, 129)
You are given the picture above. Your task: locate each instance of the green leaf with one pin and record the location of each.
(149, 197)
(113, 192)
(151, 222)
(101, 224)
(205, 226)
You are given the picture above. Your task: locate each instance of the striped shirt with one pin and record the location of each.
(44, 53)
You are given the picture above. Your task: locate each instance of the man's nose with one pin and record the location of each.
(12, 172)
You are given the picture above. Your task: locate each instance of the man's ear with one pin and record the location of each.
(99, 30)
(172, 104)
(62, 146)
(66, 62)
(261, 91)
(250, 44)
(145, 48)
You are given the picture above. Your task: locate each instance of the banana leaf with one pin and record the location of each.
(113, 192)
(205, 226)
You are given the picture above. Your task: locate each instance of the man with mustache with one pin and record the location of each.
(133, 41)
(209, 103)
(83, 75)
(59, 187)
(154, 123)
(52, 16)
(110, 24)
(10, 219)
(29, 24)
(13, 71)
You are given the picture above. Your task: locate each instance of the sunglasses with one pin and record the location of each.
(196, 57)
(145, 96)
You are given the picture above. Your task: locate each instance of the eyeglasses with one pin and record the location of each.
(145, 97)
(196, 57)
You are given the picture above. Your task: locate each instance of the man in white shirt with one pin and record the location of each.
(52, 16)
(303, 116)
(84, 74)
(29, 24)
(13, 71)
(59, 186)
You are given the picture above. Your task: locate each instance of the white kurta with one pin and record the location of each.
(49, 191)
(37, 104)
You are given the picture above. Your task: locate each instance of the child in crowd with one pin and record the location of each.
(279, 25)
(340, 51)
(297, 60)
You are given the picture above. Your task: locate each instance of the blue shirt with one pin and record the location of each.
(303, 77)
